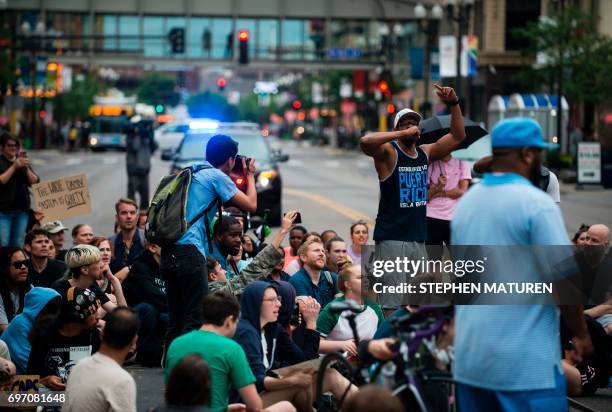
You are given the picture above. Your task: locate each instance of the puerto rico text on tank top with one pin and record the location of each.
(402, 209)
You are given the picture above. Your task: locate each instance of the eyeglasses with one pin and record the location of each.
(12, 145)
(274, 299)
(20, 263)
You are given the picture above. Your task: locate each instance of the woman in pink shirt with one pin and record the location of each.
(448, 180)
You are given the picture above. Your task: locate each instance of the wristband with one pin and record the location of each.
(455, 103)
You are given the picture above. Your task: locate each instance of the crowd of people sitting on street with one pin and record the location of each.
(55, 312)
(232, 321)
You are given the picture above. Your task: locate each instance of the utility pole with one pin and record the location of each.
(560, 79)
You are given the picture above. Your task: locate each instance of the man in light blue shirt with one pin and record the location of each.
(183, 265)
(508, 357)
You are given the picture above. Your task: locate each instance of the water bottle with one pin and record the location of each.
(388, 375)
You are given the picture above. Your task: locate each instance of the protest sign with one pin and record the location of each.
(62, 198)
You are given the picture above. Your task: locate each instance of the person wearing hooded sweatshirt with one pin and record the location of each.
(301, 330)
(265, 342)
(38, 303)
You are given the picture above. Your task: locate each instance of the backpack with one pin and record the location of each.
(330, 280)
(167, 214)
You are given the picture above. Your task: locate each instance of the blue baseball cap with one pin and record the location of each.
(518, 132)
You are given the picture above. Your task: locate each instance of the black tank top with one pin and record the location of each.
(403, 200)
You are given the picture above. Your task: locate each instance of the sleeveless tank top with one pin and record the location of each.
(402, 208)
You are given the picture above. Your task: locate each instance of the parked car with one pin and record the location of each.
(268, 179)
(169, 135)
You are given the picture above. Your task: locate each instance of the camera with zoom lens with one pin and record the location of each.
(238, 165)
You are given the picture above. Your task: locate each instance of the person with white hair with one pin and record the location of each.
(86, 267)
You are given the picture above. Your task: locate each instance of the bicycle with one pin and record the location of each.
(413, 331)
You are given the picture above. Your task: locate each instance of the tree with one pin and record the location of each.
(76, 102)
(212, 106)
(157, 88)
(251, 110)
(567, 48)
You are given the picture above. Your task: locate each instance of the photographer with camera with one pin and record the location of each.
(140, 145)
(183, 263)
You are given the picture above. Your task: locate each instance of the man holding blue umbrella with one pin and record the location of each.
(401, 223)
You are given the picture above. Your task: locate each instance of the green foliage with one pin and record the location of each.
(570, 39)
(157, 88)
(76, 102)
(212, 106)
(250, 109)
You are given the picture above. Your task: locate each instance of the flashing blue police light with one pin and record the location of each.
(203, 124)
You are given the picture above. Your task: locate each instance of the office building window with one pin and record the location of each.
(518, 15)
(293, 39)
(349, 38)
(267, 45)
(155, 36)
(129, 33)
(222, 38)
(199, 43)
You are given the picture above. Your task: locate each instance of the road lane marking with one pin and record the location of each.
(110, 160)
(346, 211)
(364, 164)
(332, 163)
(73, 161)
(296, 162)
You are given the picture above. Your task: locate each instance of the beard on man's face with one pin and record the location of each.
(408, 140)
(535, 174)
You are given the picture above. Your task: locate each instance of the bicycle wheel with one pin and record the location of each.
(327, 361)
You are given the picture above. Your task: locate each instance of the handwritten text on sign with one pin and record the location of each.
(62, 198)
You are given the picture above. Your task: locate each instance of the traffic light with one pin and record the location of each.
(159, 108)
(177, 40)
(221, 83)
(383, 86)
(297, 104)
(243, 37)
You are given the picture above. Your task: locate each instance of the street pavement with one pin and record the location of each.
(331, 188)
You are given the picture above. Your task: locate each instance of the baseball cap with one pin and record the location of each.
(403, 113)
(518, 132)
(79, 304)
(53, 227)
(219, 148)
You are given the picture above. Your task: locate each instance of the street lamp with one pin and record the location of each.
(459, 11)
(429, 25)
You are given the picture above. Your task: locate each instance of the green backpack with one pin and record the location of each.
(167, 214)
